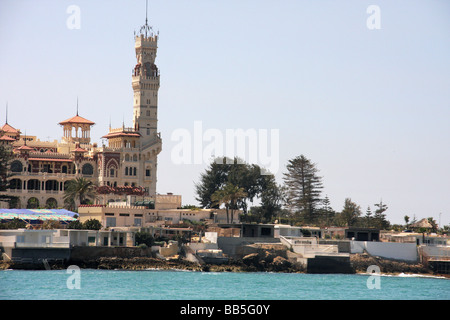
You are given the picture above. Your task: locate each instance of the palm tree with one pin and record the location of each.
(79, 191)
(229, 196)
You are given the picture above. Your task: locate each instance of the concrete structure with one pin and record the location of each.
(138, 216)
(388, 250)
(40, 170)
(317, 258)
(287, 231)
(34, 246)
(362, 234)
(248, 230)
(417, 238)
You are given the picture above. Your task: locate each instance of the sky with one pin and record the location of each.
(361, 88)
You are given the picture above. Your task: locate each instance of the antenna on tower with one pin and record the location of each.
(146, 28)
(146, 12)
(77, 105)
(6, 112)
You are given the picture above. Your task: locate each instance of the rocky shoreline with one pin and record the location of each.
(255, 262)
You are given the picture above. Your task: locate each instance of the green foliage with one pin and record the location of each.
(303, 188)
(51, 224)
(13, 224)
(229, 195)
(349, 214)
(76, 224)
(5, 158)
(92, 224)
(79, 191)
(144, 238)
(379, 220)
(223, 171)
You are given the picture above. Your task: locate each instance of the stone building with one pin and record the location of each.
(39, 170)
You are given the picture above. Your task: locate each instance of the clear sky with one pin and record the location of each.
(371, 107)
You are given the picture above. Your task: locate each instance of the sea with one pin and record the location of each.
(93, 284)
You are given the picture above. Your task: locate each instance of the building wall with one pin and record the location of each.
(389, 250)
(125, 216)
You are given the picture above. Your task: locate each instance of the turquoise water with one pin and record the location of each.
(177, 285)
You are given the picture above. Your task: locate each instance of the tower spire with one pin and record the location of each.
(146, 13)
(6, 112)
(146, 29)
(77, 105)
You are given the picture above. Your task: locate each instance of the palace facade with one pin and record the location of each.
(39, 170)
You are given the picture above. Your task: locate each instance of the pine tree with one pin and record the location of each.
(379, 219)
(303, 188)
(368, 217)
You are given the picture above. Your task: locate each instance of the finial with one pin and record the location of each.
(146, 20)
(77, 105)
(6, 112)
(146, 28)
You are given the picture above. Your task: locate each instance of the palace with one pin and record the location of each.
(39, 170)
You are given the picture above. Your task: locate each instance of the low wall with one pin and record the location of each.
(343, 245)
(388, 250)
(202, 246)
(436, 252)
(92, 253)
(329, 264)
(37, 255)
(231, 245)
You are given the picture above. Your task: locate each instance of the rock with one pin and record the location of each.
(251, 259)
(280, 264)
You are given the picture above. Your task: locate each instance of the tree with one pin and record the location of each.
(5, 159)
(406, 221)
(222, 171)
(76, 224)
(229, 196)
(327, 214)
(434, 225)
(303, 187)
(350, 213)
(144, 238)
(92, 224)
(368, 217)
(379, 219)
(13, 224)
(78, 192)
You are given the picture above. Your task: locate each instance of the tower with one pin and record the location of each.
(145, 84)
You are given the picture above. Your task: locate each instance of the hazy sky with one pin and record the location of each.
(371, 107)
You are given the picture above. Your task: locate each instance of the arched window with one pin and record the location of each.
(126, 171)
(87, 169)
(51, 203)
(16, 166)
(33, 184)
(33, 203)
(15, 184)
